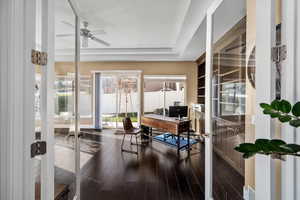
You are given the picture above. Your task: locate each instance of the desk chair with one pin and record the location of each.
(132, 131)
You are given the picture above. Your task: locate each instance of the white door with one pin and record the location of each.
(45, 42)
(26, 25)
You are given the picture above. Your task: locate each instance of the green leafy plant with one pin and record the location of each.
(285, 113)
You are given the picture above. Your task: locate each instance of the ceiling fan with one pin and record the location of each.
(86, 34)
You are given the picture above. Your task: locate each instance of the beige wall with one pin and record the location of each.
(148, 68)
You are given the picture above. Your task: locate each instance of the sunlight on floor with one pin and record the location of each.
(65, 158)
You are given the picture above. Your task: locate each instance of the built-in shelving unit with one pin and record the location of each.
(228, 83)
(201, 83)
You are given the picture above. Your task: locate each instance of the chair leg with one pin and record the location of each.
(131, 140)
(125, 150)
(122, 149)
(137, 145)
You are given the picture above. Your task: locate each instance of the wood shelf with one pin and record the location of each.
(201, 77)
(227, 103)
(231, 81)
(201, 83)
(230, 72)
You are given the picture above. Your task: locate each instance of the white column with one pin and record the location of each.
(17, 32)
(297, 96)
(265, 92)
(47, 101)
(288, 92)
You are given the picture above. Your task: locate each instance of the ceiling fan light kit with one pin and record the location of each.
(86, 34)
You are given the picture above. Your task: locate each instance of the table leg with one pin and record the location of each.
(188, 138)
(178, 145)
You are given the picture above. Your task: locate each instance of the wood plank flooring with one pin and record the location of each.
(155, 174)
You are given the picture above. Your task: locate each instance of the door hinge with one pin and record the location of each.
(38, 57)
(279, 53)
(38, 148)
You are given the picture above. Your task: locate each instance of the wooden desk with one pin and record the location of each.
(169, 124)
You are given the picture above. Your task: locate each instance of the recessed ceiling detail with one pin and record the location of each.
(134, 29)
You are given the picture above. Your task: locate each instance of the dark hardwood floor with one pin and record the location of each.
(155, 174)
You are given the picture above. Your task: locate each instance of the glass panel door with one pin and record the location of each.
(127, 98)
(64, 145)
(108, 101)
(119, 97)
(229, 106)
(37, 111)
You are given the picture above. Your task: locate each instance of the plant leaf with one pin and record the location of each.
(248, 155)
(285, 106)
(275, 115)
(276, 104)
(285, 118)
(269, 112)
(293, 148)
(246, 147)
(295, 123)
(275, 145)
(263, 145)
(296, 109)
(278, 142)
(265, 106)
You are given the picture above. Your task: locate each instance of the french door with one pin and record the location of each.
(43, 82)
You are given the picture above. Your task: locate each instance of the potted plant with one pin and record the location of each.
(285, 113)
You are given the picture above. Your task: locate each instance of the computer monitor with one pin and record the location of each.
(178, 111)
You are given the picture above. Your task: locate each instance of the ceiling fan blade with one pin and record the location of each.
(99, 41)
(98, 32)
(68, 24)
(84, 42)
(65, 35)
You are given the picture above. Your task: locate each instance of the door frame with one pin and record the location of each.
(208, 99)
(47, 99)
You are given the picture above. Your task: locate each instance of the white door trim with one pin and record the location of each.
(208, 99)
(47, 100)
(208, 109)
(265, 92)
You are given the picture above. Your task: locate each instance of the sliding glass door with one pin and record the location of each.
(108, 101)
(119, 97)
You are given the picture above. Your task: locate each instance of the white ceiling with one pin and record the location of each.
(140, 29)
